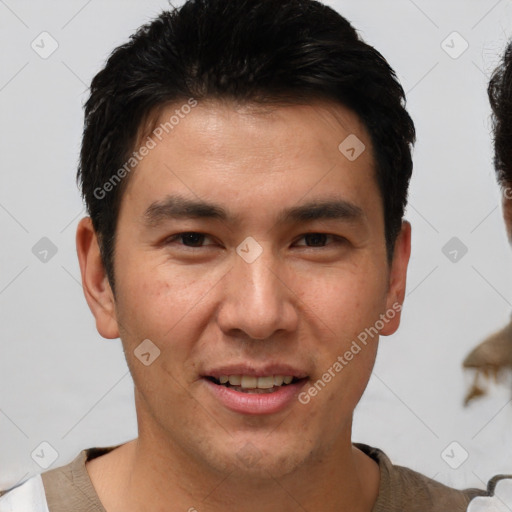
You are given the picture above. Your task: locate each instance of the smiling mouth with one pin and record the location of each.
(255, 385)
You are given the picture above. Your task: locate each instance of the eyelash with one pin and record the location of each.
(172, 239)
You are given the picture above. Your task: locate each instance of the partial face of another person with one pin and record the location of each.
(249, 246)
(507, 209)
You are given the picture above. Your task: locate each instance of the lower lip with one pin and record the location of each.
(256, 403)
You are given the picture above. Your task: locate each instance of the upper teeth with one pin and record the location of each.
(248, 381)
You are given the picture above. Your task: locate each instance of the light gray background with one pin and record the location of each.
(60, 382)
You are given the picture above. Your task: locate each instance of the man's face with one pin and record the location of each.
(285, 302)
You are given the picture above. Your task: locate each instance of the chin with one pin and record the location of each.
(259, 459)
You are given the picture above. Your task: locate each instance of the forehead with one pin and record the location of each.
(316, 126)
(222, 151)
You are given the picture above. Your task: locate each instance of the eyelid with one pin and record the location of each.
(176, 237)
(334, 239)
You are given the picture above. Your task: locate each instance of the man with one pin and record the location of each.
(495, 353)
(245, 165)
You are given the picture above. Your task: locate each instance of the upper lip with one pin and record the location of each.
(254, 371)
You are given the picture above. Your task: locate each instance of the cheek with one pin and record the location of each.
(156, 296)
(346, 308)
(169, 305)
(145, 305)
(347, 301)
(167, 311)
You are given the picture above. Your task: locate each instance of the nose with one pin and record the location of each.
(257, 300)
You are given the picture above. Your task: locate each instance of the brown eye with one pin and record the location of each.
(316, 239)
(192, 239)
(188, 239)
(319, 240)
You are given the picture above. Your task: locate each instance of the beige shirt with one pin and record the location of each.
(69, 488)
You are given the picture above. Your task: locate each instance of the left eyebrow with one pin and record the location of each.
(176, 206)
(337, 209)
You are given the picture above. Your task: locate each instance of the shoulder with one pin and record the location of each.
(27, 496)
(498, 497)
(64, 488)
(402, 488)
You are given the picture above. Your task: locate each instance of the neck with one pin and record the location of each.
(150, 475)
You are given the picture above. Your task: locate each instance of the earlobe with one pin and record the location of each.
(397, 280)
(97, 291)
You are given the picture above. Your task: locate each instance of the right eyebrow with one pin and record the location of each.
(175, 206)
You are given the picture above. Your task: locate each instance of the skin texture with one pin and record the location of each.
(507, 210)
(300, 303)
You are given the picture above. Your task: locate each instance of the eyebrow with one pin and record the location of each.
(179, 207)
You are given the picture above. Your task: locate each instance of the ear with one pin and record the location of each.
(397, 279)
(506, 204)
(97, 291)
